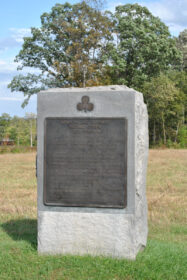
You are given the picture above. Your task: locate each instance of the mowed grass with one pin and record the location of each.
(165, 256)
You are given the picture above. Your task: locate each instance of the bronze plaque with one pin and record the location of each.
(85, 162)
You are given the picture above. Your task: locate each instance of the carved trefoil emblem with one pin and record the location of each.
(85, 105)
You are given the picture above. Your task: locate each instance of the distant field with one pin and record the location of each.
(164, 258)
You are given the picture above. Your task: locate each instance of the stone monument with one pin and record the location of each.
(91, 171)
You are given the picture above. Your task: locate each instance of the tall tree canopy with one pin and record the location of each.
(67, 49)
(78, 45)
(144, 46)
(165, 103)
(182, 44)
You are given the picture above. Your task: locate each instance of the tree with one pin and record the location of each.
(4, 125)
(182, 45)
(144, 47)
(66, 51)
(17, 124)
(78, 45)
(96, 4)
(179, 78)
(165, 107)
(31, 118)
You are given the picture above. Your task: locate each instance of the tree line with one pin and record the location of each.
(18, 131)
(80, 45)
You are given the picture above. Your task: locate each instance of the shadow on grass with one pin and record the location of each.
(22, 229)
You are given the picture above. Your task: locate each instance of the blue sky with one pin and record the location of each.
(17, 16)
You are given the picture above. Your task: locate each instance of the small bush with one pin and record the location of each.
(16, 149)
(182, 136)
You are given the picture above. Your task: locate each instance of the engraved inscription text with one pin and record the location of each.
(85, 162)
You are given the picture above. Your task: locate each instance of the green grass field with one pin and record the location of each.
(164, 258)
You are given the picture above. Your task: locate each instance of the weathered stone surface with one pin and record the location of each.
(97, 231)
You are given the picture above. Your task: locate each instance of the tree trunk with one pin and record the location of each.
(177, 131)
(154, 133)
(84, 76)
(183, 118)
(164, 130)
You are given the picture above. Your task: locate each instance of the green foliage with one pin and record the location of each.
(182, 136)
(165, 103)
(4, 124)
(180, 80)
(144, 46)
(21, 130)
(78, 45)
(182, 45)
(67, 49)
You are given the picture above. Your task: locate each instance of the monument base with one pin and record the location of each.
(96, 234)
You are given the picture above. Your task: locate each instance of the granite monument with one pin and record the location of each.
(92, 160)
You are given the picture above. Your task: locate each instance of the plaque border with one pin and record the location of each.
(83, 205)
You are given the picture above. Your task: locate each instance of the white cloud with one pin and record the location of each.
(15, 39)
(4, 83)
(19, 33)
(2, 62)
(8, 43)
(8, 66)
(113, 4)
(172, 12)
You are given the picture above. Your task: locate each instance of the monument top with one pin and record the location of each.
(90, 89)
